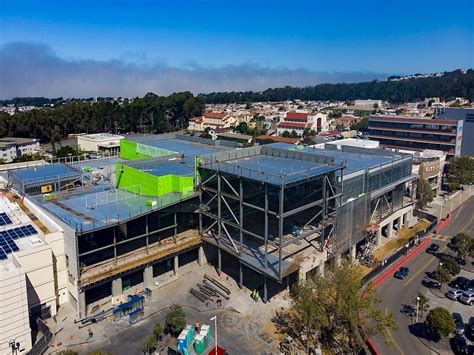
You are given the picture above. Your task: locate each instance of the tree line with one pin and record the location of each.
(151, 113)
(450, 85)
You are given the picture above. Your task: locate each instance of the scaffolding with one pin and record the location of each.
(265, 205)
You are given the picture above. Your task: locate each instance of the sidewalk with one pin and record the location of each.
(446, 203)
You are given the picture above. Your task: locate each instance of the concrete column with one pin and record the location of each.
(201, 256)
(116, 287)
(241, 275)
(390, 230)
(321, 268)
(219, 261)
(378, 239)
(148, 276)
(81, 304)
(353, 252)
(176, 265)
(338, 259)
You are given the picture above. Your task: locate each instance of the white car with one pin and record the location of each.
(467, 297)
(454, 293)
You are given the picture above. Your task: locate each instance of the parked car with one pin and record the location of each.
(454, 293)
(458, 345)
(470, 328)
(433, 248)
(468, 286)
(430, 283)
(459, 282)
(467, 297)
(402, 273)
(458, 324)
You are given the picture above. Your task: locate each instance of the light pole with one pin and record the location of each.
(417, 307)
(215, 332)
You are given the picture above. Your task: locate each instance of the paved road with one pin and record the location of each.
(395, 293)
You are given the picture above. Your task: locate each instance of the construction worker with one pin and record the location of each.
(254, 293)
(257, 296)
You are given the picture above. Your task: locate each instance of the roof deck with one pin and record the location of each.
(271, 164)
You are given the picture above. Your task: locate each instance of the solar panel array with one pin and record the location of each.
(8, 237)
(4, 219)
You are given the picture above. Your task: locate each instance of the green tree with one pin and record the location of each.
(463, 245)
(461, 170)
(424, 193)
(440, 322)
(329, 309)
(157, 330)
(293, 134)
(362, 125)
(441, 274)
(451, 265)
(242, 128)
(286, 134)
(175, 319)
(150, 344)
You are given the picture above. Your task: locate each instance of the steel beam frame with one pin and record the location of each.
(227, 215)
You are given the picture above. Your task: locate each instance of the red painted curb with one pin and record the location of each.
(371, 345)
(444, 222)
(394, 267)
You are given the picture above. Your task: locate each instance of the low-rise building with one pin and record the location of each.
(417, 133)
(100, 142)
(299, 121)
(211, 120)
(32, 271)
(12, 148)
(466, 115)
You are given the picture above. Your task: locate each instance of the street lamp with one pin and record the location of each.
(417, 307)
(215, 332)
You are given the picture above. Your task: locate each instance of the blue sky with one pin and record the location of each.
(320, 36)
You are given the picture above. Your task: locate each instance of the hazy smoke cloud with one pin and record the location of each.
(35, 70)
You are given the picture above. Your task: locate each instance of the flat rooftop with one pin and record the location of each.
(45, 173)
(160, 168)
(17, 231)
(273, 163)
(89, 208)
(181, 146)
(354, 161)
(101, 136)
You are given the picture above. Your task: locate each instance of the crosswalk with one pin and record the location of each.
(440, 237)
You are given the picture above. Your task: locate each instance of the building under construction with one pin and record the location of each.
(267, 214)
(283, 211)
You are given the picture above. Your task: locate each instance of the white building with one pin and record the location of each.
(299, 121)
(100, 142)
(368, 102)
(212, 120)
(12, 148)
(32, 273)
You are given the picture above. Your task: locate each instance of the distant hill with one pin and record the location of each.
(457, 83)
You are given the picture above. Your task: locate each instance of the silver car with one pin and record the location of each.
(454, 293)
(467, 297)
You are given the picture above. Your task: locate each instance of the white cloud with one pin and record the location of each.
(28, 69)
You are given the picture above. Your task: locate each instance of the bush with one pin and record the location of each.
(150, 343)
(440, 322)
(175, 320)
